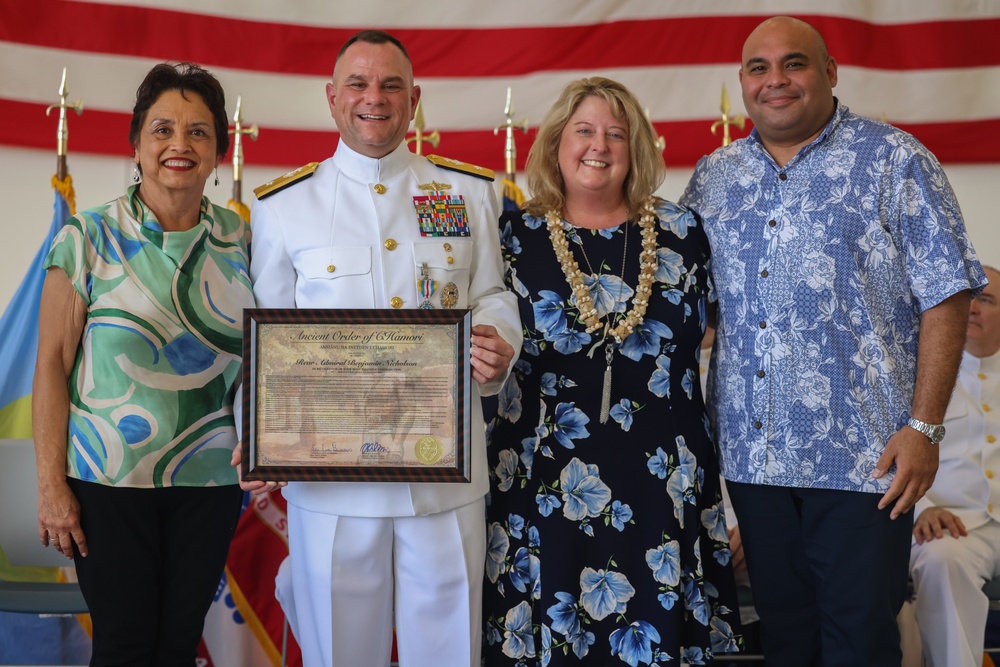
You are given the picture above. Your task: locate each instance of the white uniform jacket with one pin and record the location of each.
(968, 477)
(349, 237)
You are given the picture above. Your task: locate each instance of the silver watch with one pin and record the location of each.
(933, 431)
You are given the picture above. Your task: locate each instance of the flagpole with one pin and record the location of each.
(62, 131)
(739, 121)
(510, 148)
(238, 131)
(419, 137)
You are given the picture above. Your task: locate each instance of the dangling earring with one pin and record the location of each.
(216, 177)
(136, 172)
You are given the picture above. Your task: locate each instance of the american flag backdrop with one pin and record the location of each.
(931, 67)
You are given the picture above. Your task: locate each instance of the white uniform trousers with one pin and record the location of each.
(951, 609)
(349, 573)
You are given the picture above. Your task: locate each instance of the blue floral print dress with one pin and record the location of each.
(607, 543)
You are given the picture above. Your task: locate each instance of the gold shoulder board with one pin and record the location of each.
(463, 167)
(282, 182)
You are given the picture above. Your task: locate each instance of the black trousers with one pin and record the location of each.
(828, 571)
(154, 564)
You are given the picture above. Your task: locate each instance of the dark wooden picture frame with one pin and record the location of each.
(342, 413)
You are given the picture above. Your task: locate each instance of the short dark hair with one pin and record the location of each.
(182, 77)
(373, 37)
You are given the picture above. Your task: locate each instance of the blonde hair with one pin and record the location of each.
(646, 168)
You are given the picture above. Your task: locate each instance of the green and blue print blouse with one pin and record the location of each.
(151, 393)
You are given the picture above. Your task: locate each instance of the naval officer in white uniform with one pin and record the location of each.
(957, 528)
(376, 226)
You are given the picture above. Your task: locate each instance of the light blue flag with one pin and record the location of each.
(19, 338)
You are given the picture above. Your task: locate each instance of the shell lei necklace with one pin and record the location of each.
(585, 304)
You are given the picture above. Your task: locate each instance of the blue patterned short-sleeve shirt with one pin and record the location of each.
(822, 269)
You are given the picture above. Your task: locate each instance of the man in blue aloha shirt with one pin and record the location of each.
(844, 274)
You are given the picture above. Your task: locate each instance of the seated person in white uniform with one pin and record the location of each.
(375, 226)
(957, 527)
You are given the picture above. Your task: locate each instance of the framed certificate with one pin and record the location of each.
(356, 395)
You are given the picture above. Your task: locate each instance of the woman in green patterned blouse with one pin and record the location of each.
(139, 356)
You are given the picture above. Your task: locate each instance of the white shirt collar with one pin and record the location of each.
(975, 364)
(368, 169)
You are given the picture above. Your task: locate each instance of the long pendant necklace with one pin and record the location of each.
(612, 318)
(585, 304)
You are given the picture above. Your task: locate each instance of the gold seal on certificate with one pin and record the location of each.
(357, 395)
(428, 450)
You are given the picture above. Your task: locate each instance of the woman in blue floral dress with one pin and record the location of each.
(607, 540)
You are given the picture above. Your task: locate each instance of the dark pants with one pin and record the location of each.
(154, 563)
(828, 571)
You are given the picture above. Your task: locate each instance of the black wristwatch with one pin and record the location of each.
(935, 432)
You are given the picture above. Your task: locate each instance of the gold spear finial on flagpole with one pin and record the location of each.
(509, 146)
(238, 131)
(739, 121)
(661, 143)
(419, 137)
(62, 132)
